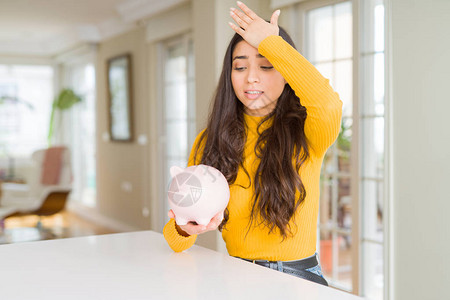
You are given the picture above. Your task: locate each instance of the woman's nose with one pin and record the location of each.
(253, 76)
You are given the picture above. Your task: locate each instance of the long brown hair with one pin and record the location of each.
(282, 148)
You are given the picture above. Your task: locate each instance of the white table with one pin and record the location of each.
(140, 265)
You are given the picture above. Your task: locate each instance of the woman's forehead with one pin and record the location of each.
(244, 50)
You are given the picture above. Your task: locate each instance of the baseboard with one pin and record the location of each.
(92, 215)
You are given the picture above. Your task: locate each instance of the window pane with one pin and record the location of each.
(379, 26)
(373, 280)
(373, 91)
(326, 69)
(342, 83)
(344, 217)
(345, 138)
(344, 271)
(378, 79)
(320, 34)
(373, 25)
(176, 101)
(372, 210)
(176, 139)
(81, 78)
(335, 196)
(343, 29)
(27, 93)
(176, 64)
(326, 204)
(336, 260)
(179, 107)
(326, 255)
(373, 147)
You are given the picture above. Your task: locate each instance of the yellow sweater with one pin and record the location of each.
(324, 110)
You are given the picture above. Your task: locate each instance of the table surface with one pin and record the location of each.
(140, 265)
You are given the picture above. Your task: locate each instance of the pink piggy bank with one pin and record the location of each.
(197, 193)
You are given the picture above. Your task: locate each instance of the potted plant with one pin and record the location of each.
(65, 100)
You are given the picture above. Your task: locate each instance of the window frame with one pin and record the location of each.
(186, 39)
(299, 29)
(302, 9)
(68, 69)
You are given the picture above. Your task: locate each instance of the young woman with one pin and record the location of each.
(274, 116)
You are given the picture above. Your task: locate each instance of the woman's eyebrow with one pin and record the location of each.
(246, 57)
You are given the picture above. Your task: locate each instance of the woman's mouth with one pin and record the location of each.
(252, 94)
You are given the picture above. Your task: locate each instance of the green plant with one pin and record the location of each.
(65, 100)
(344, 137)
(342, 145)
(14, 100)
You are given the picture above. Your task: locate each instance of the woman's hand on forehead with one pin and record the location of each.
(252, 28)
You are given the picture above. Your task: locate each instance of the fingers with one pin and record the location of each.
(238, 20)
(238, 29)
(215, 221)
(213, 224)
(192, 228)
(274, 18)
(250, 26)
(240, 17)
(247, 10)
(219, 216)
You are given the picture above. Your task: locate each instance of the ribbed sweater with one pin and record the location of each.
(324, 111)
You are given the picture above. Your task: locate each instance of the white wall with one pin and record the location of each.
(421, 144)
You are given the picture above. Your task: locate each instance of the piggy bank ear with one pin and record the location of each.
(175, 170)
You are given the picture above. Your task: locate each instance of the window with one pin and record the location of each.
(177, 108)
(371, 120)
(80, 132)
(329, 48)
(351, 224)
(26, 95)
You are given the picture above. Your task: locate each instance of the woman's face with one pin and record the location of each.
(255, 81)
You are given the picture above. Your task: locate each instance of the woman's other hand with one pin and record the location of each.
(252, 28)
(194, 228)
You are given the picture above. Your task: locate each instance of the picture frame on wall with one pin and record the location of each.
(119, 85)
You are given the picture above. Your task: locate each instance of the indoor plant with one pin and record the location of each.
(65, 100)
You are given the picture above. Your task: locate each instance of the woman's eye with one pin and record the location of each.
(267, 67)
(239, 68)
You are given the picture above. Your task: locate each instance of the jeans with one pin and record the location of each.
(317, 269)
(295, 268)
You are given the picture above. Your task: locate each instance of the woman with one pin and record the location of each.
(274, 117)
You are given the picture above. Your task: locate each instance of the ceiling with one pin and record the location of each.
(49, 27)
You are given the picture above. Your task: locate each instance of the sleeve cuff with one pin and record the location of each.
(175, 240)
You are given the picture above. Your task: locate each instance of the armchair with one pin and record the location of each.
(48, 188)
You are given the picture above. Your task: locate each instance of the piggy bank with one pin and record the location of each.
(197, 194)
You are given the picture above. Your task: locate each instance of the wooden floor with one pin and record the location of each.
(62, 225)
